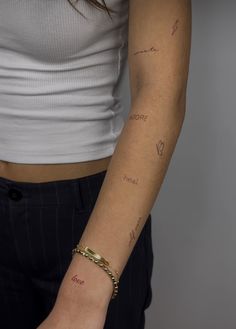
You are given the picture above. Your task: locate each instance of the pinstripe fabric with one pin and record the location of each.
(40, 223)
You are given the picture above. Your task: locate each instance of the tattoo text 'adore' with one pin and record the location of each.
(138, 117)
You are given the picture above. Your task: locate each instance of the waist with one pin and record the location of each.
(37, 173)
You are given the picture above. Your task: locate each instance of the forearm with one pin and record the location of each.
(159, 53)
(134, 177)
(127, 195)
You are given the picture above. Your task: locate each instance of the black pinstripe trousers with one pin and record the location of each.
(40, 224)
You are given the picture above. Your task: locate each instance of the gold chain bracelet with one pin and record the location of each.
(100, 261)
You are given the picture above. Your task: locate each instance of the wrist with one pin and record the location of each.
(86, 282)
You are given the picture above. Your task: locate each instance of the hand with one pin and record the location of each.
(65, 316)
(83, 297)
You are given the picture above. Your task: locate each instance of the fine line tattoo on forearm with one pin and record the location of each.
(152, 50)
(132, 234)
(77, 280)
(130, 180)
(160, 147)
(141, 117)
(175, 27)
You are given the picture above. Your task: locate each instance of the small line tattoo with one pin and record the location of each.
(138, 117)
(132, 237)
(132, 234)
(130, 180)
(175, 27)
(138, 223)
(77, 280)
(152, 49)
(160, 147)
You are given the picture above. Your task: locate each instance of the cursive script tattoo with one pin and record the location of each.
(152, 49)
(130, 180)
(138, 117)
(160, 147)
(132, 234)
(77, 280)
(175, 27)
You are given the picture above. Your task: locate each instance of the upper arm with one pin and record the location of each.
(159, 39)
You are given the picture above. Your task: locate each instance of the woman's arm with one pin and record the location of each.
(158, 56)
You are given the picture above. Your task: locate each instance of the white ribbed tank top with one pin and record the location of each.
(59, 80)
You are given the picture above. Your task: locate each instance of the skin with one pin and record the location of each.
(140, 116)
(160, 148)
(158, 81)
(175, 27)
(133, 232)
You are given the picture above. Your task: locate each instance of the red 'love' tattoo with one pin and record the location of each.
(77, 280)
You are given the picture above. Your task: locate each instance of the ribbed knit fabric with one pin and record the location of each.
(60, 75)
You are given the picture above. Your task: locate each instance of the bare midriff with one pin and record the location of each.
(37, 173)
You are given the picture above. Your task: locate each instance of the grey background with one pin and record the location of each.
(194, 226)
